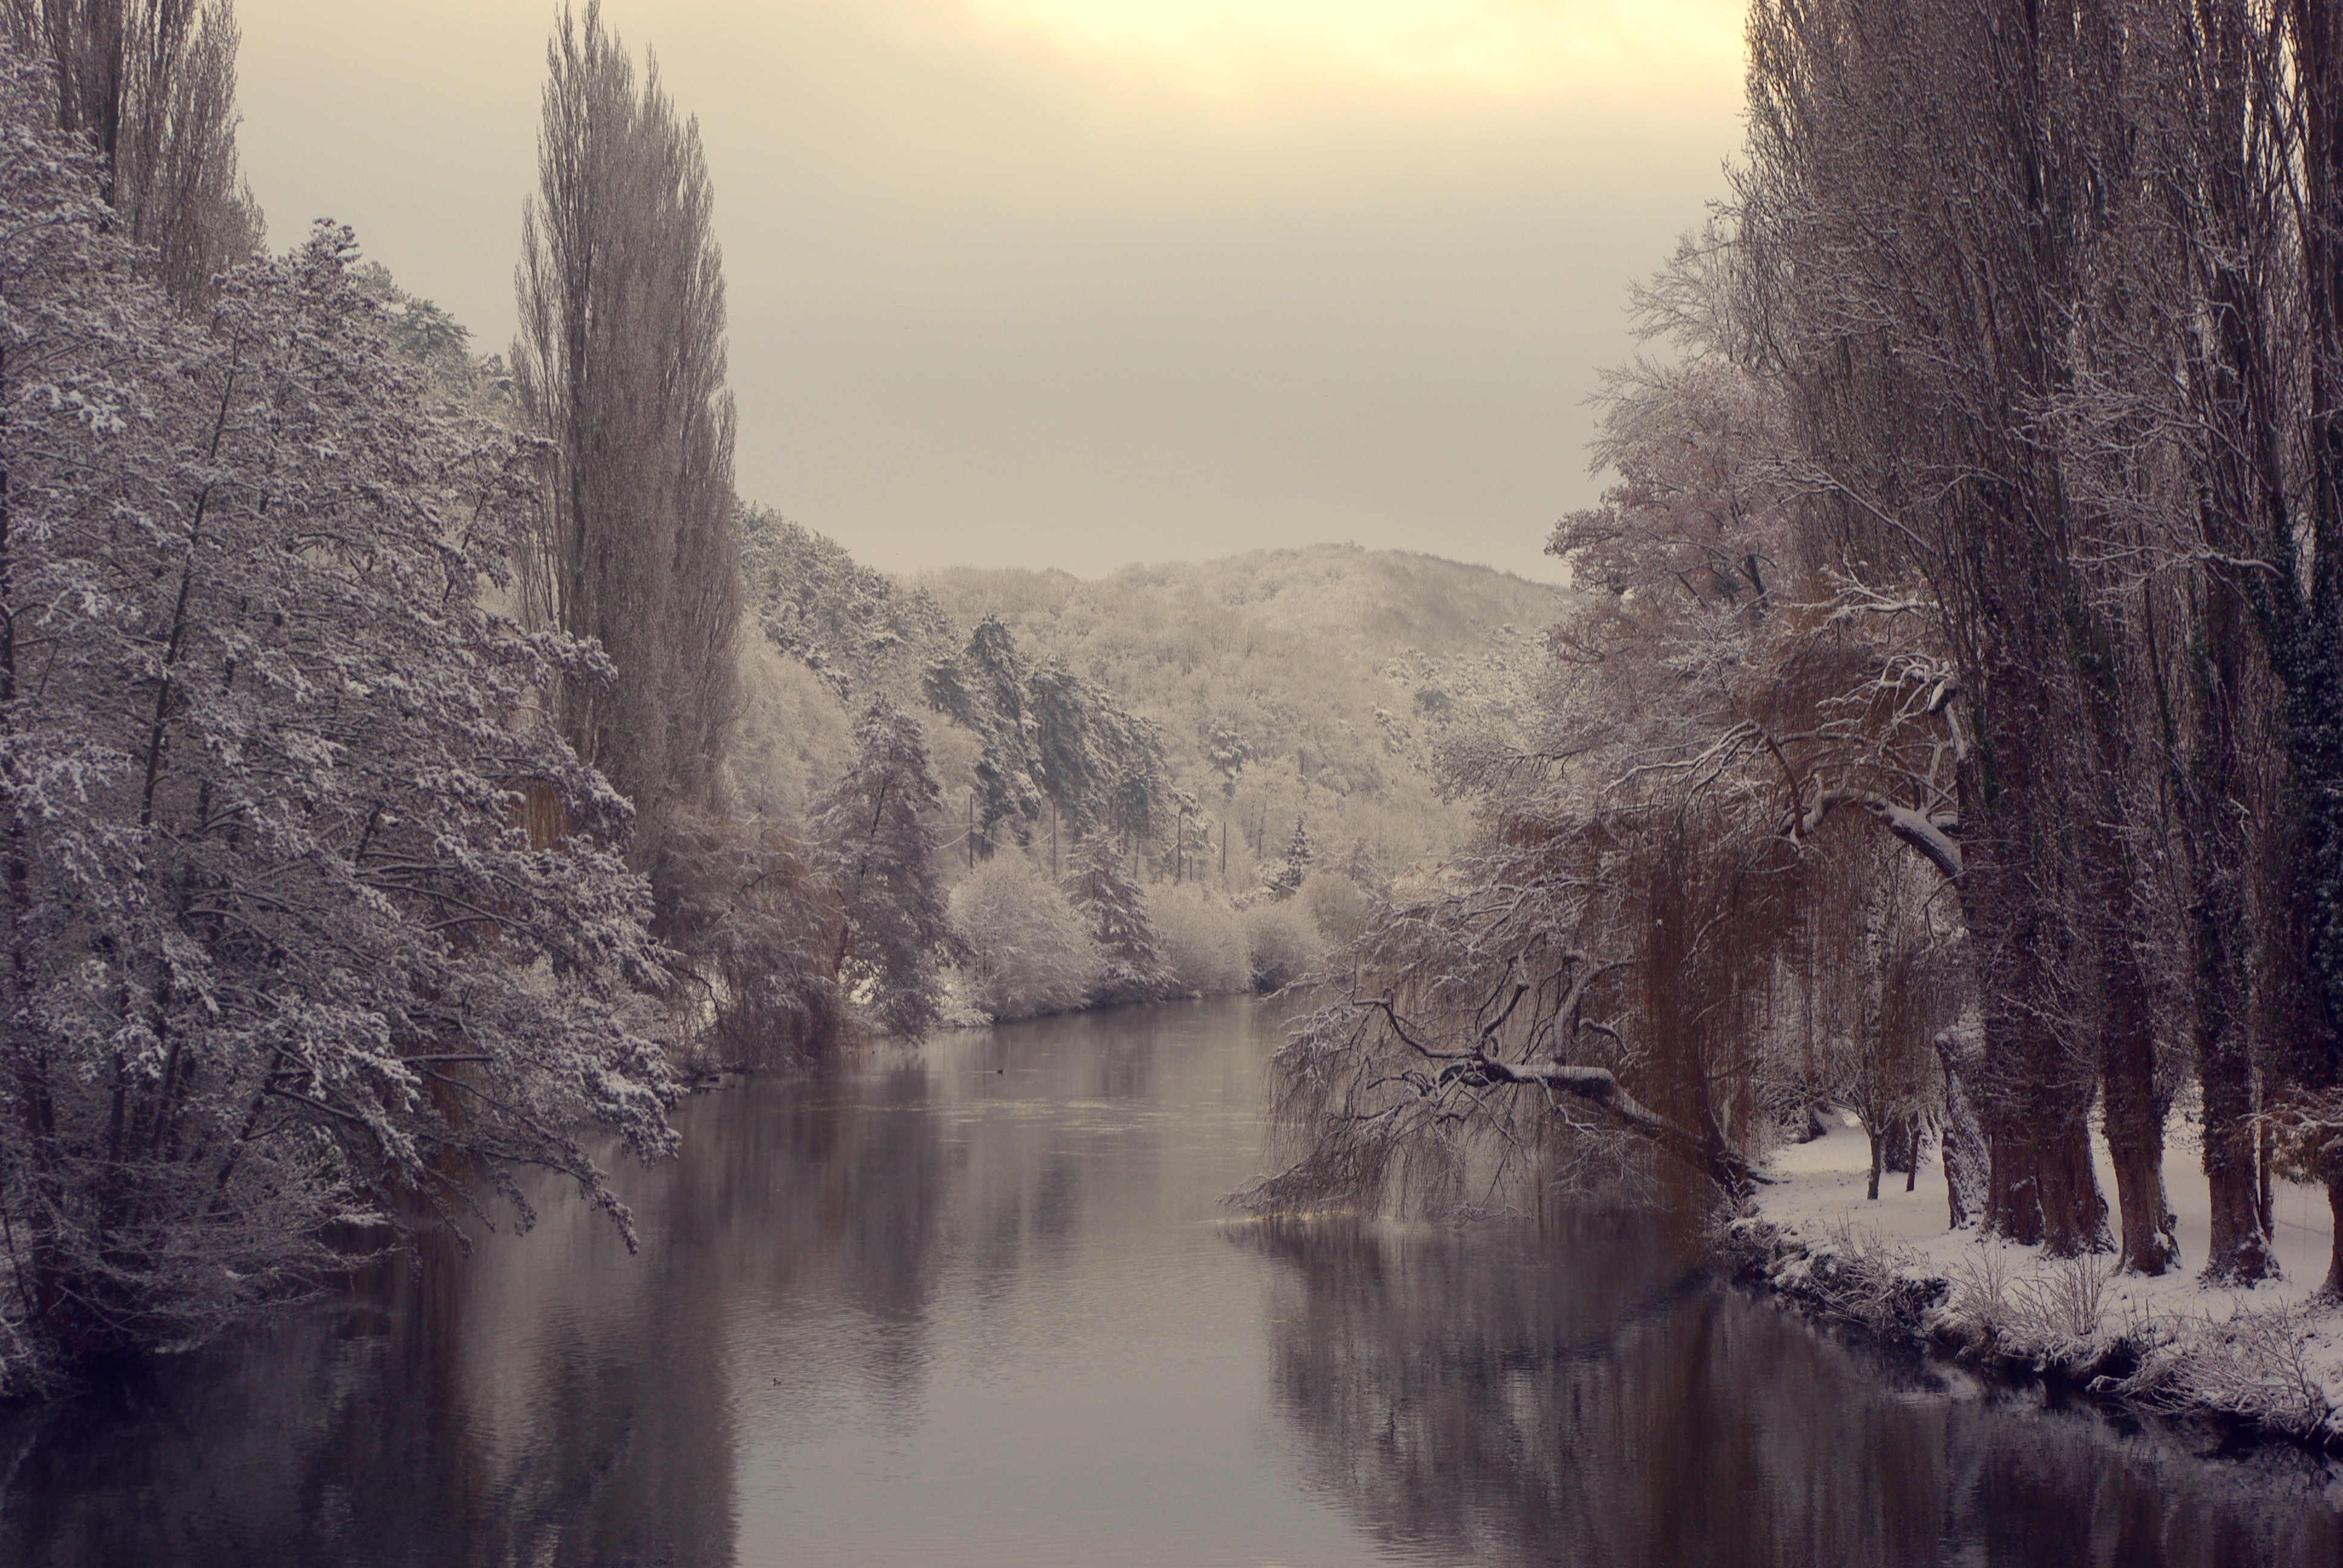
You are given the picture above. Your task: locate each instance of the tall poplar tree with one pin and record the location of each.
(620, 365)
(152, 85)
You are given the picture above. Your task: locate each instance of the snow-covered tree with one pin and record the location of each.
(309, 919)
(1027, 952)
(847, 622)
(1114, 907)
(877, 847)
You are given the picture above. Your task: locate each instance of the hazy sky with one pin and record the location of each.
(1077, 283)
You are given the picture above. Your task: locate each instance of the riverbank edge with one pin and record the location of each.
(2266, 1375)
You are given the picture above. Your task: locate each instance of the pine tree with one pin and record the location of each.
(876, 845)
(1294, 869)
(1114, 908)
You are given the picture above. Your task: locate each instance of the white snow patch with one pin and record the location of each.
(2268, 1353)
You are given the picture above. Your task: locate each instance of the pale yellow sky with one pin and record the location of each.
(1078, 283)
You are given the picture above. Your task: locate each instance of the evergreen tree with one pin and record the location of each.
(1114, 908)
(876, 845)
(1294, 869)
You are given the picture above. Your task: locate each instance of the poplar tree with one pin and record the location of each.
(152, 85)
(620, 365)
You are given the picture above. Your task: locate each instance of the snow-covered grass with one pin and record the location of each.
(2271, 1356)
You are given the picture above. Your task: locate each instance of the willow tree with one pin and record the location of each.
(152, 85)
(620, 366)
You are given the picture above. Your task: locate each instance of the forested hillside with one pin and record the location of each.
(1315, 685)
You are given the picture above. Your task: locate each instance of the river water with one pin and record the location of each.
(982, 1305)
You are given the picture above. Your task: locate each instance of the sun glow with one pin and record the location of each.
(1587, 44)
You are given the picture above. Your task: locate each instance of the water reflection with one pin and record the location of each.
(1494, 1399)
(983, 1306)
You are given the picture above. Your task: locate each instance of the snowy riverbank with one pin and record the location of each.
(2271, 1357)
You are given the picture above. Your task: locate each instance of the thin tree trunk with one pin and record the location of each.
(2134, 1112)
(2334, 1285)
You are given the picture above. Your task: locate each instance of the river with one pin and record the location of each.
(982, 1305)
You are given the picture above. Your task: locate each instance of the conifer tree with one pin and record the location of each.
(1294, 869)
(876, 845)
(1114, 907)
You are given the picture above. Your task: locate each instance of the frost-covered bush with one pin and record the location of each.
(1028, 951)
(1334, 904)
(1281, 943)
(1204, 943)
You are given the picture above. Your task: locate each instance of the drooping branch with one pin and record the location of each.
(1923, 832)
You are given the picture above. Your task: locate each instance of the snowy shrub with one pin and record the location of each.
(1204, 943)
(1334, 904)
(1027, 951)
(1281, 943)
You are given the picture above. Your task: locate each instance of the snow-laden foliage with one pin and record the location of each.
(310, 921)
(1202, 940)
(1335, 904)
(1291, 683)
(1026, 949)
(877, 853)
(1281, 943)
(847, 622)
(1052, 740)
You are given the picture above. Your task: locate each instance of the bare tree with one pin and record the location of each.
(620, 366)
(152, 85)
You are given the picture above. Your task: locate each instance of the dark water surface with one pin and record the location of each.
(983, 1306)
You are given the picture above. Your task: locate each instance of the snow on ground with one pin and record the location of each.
(2268, 1353)
(1821, 1185)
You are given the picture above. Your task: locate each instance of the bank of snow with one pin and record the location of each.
(2270, 1357)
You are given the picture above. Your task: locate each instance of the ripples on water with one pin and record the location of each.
(982, 1306)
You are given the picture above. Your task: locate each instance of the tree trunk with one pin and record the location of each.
(1899, 1143)
(2134, 1112)
(1873, 1132)
(1963, 1146)
(2334, 1285)
(2238, 1250)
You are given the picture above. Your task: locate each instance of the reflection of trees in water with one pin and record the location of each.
(552, 1401)
(545, 1401)
(1484, 1406)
